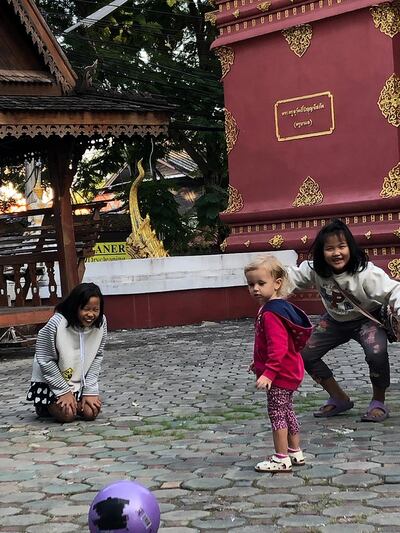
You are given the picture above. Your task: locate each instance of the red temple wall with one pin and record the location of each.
(351, 59)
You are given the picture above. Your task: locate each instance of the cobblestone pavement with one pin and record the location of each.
(182, 417)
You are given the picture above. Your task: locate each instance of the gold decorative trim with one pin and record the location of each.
(235, 201)
(394, 268)
(18, 7)
(276, 241)
(368, 235)
(397, 233)
(60, 130)
(226, 57)
(299, 38)
(223, 246)
(231, 131)
(142, 242)
(211, 17)
(264, 6)
(236, 13)
(304, 239)
(247, 243)
(391, 183)
(387, 18)
(309, 194)
(389, 100)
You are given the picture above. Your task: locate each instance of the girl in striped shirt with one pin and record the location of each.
(69, 350)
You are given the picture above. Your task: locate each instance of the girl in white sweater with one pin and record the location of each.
(69, 350)
(339, 262)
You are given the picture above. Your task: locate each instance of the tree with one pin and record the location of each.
(161, 47)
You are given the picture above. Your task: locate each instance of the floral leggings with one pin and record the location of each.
(280, 410)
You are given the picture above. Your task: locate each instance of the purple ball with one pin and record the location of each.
(124, 506)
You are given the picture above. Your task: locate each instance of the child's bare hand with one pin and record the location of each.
(250, 368)
(68, 403)
(92, 402)
(263, 383)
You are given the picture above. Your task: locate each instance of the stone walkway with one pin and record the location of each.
(182, 417)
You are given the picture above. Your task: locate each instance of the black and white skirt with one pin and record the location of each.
(40, 394)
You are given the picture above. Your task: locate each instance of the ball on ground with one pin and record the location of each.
(124, 506)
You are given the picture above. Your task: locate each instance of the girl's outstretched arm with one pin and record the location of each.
(303, 276)
(91, 387)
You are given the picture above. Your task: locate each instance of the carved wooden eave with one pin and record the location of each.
(90, 114)
(45, 42)
(237, 22)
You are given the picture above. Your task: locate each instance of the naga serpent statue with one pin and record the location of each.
(143, 241)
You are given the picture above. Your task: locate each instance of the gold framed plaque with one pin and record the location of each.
(304, 116)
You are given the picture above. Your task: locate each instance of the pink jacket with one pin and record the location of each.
(282, 330)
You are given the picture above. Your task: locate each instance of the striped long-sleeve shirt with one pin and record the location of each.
(68, 358)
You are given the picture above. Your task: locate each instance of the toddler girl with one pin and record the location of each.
(281, 331)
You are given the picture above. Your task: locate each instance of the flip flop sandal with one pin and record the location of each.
(339, 406)
(375, 404)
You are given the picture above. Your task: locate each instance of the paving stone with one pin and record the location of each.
(356, 480)
(218, 525)
(205, 484)
(385, 519)
(184, 516)
(348, 511)
(347, 495)
(348, 528)
(54, 527)
(300, 520)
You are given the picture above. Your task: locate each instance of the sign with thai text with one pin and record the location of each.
(109, 251)
(304, 116)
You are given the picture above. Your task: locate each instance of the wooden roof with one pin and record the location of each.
(30, 52)
(39, 93)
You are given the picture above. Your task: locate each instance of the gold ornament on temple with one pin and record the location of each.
(387, 18)
(226, 57)
(143, 241)
(235, 201)
(391, 183)
(276, 241)
(264, 6)
(309, 193)
(231, 131)
(304, 239)
(394, 268)
(299, 38)
(211, 17)
(389, 100)
(247, 243)
(368, 235)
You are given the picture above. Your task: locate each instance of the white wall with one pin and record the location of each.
(139, 276)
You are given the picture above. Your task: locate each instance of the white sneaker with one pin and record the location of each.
(275, 464)
(297, 458)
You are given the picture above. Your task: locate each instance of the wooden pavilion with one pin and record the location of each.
(43, 108)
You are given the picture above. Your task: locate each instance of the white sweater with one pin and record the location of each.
(371, 288)
(69, 359)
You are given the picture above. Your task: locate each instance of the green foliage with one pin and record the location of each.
(160, 47)
(157, 200)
